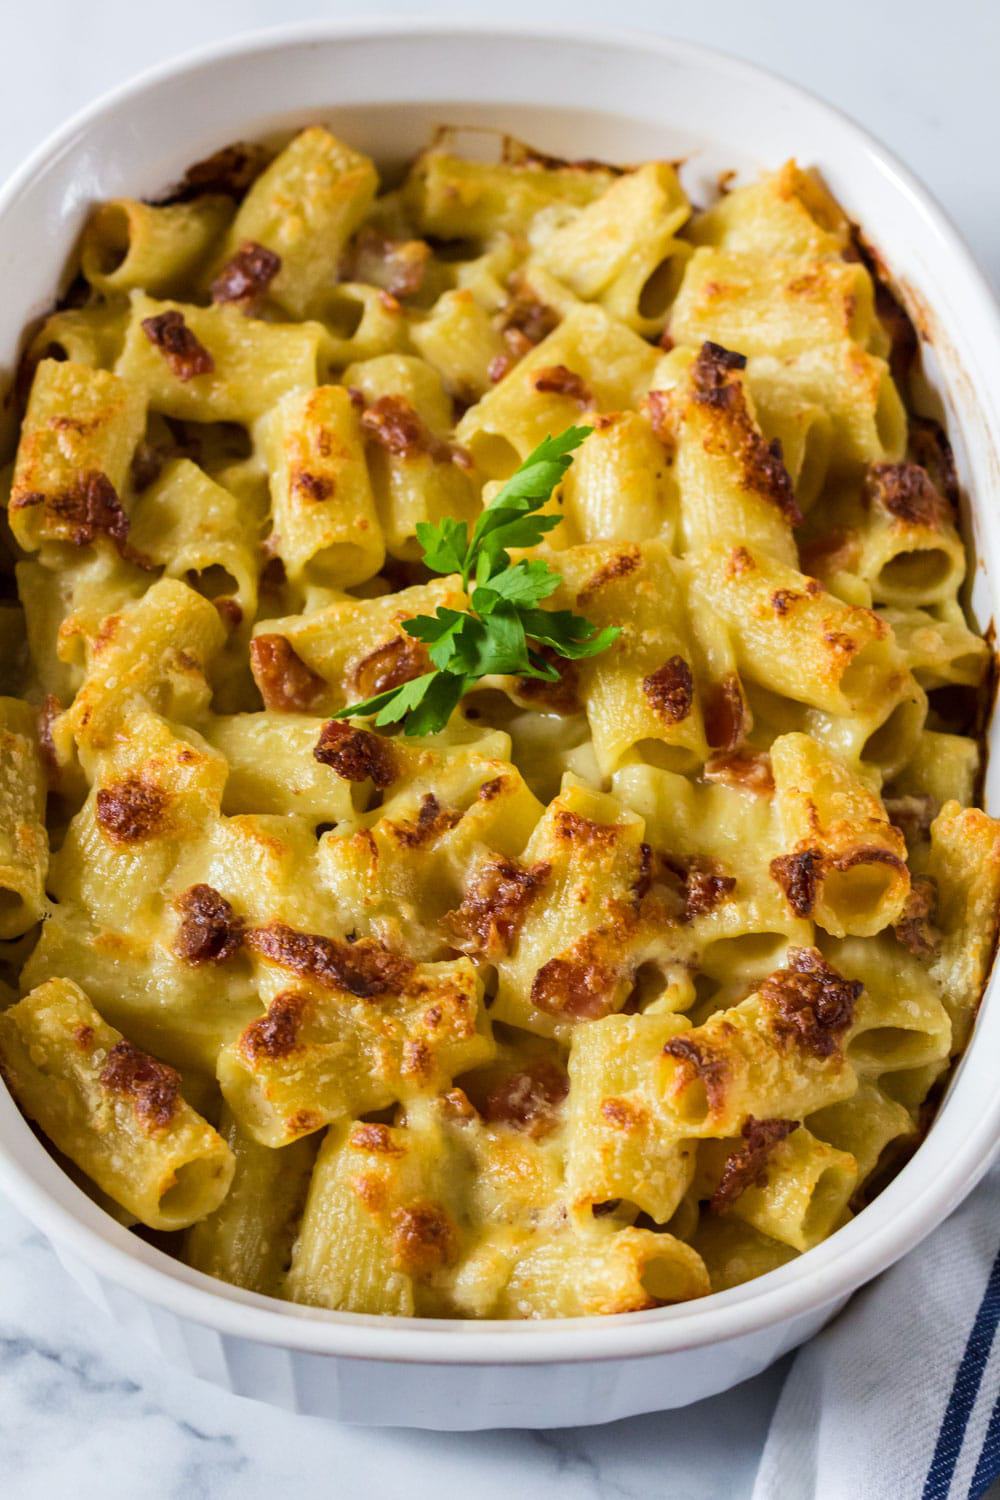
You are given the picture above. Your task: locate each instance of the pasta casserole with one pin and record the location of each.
(490, 754)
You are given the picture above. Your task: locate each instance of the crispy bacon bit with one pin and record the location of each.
(284, 680)
(210, 931)
(246, 277)
(704, 888)
(727, 715)
(701, 1062)
(906, 492)
(670, 690)
(912, 815)
(624, 562)
(933, 452)
(364, 968)
(152, 1088)
(799, 875)
(276, 1034)
(529, 1100)
(356, 754)
(560, 696)
(494, 906)
(431, 822)
(182, 350)
(131, 810)
(748, 771)
(811, 1004)
(374, 1137)
(915, 928)
(394, 422)
(579, 985)
(746, 1165)
(397, 266)
(424, 1239)
(559, 380)
(532, 319)
(574, 828)
(229, 171)
(399, 660)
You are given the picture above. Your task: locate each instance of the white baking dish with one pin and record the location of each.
(384, 86)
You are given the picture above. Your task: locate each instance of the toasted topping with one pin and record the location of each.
(83, 1036)
(395, 424)
(247, 276)
(915, 928)
(716, 385)
(424, 1239)
(574, 828)
(356, 754)
(746, 1165)
(183, 352)
(209, 931)
(525, 322)
(578, 984)
(624, 562)
(284, 680)
(132, 810)
(559, 380)
(670, 690)
(494, 906)
(783, 601)
(811, 1004)
(700, 1062)
(799, 876)
(907, 493)
(624, 1115)
(276, 1034)
(374, 1137)
(313, 487)
(704, 888)
(748, 771)
(364, 968)
(528, 1100)
(89, 508)
(152, 1088)
(431, 822)
(399, 660)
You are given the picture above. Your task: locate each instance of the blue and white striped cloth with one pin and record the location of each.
(899, 1399)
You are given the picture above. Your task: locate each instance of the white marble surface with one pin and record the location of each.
(83, 1412)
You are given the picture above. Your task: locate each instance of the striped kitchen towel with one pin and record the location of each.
(899, 1399)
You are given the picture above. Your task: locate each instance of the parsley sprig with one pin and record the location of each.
(504, 630)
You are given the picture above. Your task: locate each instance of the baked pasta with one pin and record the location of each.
(606, 980)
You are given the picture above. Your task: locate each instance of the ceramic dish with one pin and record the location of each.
(621, 98)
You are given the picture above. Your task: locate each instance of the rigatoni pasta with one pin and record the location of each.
(444, 893)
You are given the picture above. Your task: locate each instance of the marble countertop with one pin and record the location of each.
(82, 1410)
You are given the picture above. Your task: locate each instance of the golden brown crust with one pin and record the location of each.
(152, 1088)
(431, 822)
(286, 684)
(799, 876)
(716, 387)
(356, 754)
(374, 1137)
(365, 968)
(579, 983)
(275, 1034)
(702, 1062)
(560, 380)
(494, 906)
(810, 1004)
(396, 425)
(748, 770)
(209, 931)
(528, 1100)
(424, 1239)
(906, 492)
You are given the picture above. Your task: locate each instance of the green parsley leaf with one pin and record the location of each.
(503, 629)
